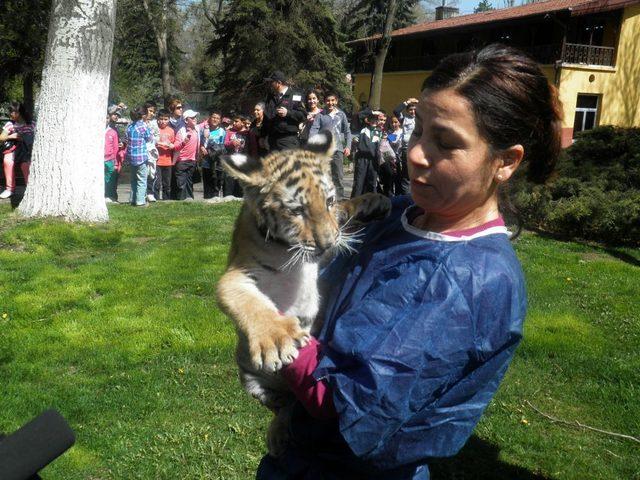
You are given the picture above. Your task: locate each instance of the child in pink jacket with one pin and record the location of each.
(110, 153)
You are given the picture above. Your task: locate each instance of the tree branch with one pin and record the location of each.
(582, 425)
(147, 8)
(214, 20)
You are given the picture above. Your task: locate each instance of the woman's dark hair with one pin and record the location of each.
(512, 100)
(22, 110)
(316, 93)
(173, 103)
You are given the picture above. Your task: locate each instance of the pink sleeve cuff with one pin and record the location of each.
(315, 395)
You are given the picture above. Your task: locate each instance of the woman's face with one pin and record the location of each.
(14, 115)
(395, 124)
(451, 166)
(177, 110)
(312, 101)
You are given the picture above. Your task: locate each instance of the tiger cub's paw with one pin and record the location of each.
(372, 207)
(364, 209)
(277, 343)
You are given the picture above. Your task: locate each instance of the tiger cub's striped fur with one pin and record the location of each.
(288, 222)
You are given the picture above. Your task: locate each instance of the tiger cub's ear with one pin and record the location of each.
(243, 168)
(321, 142)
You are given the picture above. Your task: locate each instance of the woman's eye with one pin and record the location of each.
(331, 200)
(445, 145)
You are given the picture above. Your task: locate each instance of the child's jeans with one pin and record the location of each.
(138, 184)
(153, 185)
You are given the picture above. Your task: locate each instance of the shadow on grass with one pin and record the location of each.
(479, 460)
(623, 256)
(609, 250)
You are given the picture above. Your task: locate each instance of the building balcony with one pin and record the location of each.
(588, 55)
(545, 54)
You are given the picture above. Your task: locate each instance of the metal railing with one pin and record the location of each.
(544, 54)
(589, 54)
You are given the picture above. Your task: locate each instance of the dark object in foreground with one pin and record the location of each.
(34, 446)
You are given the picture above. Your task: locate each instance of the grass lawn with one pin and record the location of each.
(117, 327)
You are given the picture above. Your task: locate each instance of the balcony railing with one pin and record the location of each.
(588, 54)
(544, 54)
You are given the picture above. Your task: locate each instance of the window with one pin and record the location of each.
(586, 113)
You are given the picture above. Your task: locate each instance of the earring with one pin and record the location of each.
(499, 177)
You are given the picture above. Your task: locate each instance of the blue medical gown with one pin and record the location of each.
(418, 334)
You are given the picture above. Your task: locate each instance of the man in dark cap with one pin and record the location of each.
(283, 113)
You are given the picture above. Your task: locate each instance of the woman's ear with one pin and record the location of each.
(509, 160)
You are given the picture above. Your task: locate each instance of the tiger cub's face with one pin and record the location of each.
(292, 196)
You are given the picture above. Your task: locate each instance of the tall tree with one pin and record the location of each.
(67, 162)
(366, 18)
(298, 37)
(483, 6)
(22, 44)
(381, 55)
(135, 69)
(200, 21)
(160, 14)
(376, 19)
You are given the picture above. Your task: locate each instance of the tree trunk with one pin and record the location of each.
(381, 56)
(67, 168)
(165, 66)
(160, 31)
(28, 79)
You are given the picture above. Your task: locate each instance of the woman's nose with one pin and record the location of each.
(417, 156)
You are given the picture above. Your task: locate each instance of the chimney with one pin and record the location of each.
(443, 12)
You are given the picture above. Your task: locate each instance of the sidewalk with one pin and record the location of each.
(124, 186)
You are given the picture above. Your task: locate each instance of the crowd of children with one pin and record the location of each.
(169, 150)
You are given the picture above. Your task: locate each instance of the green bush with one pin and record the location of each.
(596, 192)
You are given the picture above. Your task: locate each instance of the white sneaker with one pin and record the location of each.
(6, 194)
(151, 198)
(107, 200)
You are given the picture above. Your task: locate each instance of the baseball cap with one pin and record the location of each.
(113, 109)
(276, 76)
(189, 114)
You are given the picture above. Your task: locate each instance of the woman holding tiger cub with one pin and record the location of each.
(421, 325)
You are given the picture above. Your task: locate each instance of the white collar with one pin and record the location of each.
(441, 237)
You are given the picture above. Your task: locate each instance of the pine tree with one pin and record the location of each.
(366, 17)
(376, 19)
(298, 37)
(483, 6)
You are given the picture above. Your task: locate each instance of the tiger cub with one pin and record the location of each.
(289, 221)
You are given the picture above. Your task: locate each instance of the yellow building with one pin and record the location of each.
(589, 49)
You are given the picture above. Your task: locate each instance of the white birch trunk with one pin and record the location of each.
(67, 167)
